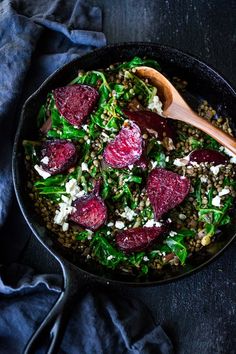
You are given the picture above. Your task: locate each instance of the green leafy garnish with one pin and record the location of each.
(136, 61)
(177, 244)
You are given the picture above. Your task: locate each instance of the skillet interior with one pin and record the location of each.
(203, 82)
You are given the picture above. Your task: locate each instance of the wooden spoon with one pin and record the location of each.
(174, 107)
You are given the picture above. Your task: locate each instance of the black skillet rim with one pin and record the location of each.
(63, 262)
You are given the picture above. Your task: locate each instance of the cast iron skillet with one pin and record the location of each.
(203, 82)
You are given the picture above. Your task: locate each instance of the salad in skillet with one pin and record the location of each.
(121, 185)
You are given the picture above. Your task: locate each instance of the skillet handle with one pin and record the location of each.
(53, 326)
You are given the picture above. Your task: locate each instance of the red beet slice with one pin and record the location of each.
(58, 156)
(148, 120)
(126, 148)
(75, 102)
(91, 212)
(138, 239)
(166, 190)
(208, 155)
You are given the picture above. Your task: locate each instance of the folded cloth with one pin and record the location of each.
(36, 38)
(100, 323)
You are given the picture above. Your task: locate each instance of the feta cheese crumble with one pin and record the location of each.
(216, 201)
(155, 105)
(229, 153)
(119, 225)
(128, 214)
(215, 169)
(41, 172)
(224, 192)
(45, 160)
(84, 166)
(65, 207)
(109, 258)
(203, 179)
(180, 162)
(151, 223)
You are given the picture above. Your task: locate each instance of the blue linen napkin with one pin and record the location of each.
(100, 323)
(36, 38)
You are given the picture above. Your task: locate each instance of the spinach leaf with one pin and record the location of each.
(136, 61)
(197, 192)
(82, 235)
(106, 254)
(177, 245)
(141, 88)
(52, 187)
(214, 217)
(178, 248)
(30, 148)
(41, 118)
(212, 144)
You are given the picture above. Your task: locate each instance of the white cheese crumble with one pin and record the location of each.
(45, 160)
(110, 224)
(215, 169)
(119, 225)
(41, 172)
(224, 192)
(85, 127)
(146, 259)
(151, 223)
(130, 167)
(65, 226)
(167, 158)
(153, 163)
(155, 105)
(203, 179)
(128, 214)
(62, 214)
(229, 153)
(216, 201)
(226, 151)
(65, 207)
(180, 162)
(109, 258)
(172, 233)
(84, 166)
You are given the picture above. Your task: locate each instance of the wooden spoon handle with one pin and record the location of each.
(185, 114)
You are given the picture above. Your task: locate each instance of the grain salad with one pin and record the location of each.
(119, 184)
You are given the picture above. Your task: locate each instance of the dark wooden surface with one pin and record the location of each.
(198, 312)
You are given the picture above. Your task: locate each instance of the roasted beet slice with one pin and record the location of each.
(138, 239)
(208, 155)
(126, 148)
(151, 121)
(58, 156)
(75, 102)
(166, 190)
(91, 212)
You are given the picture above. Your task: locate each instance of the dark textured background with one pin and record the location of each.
(198, 312)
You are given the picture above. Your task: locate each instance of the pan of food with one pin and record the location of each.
(113, 189)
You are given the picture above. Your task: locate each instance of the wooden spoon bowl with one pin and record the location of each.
(175, 107)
